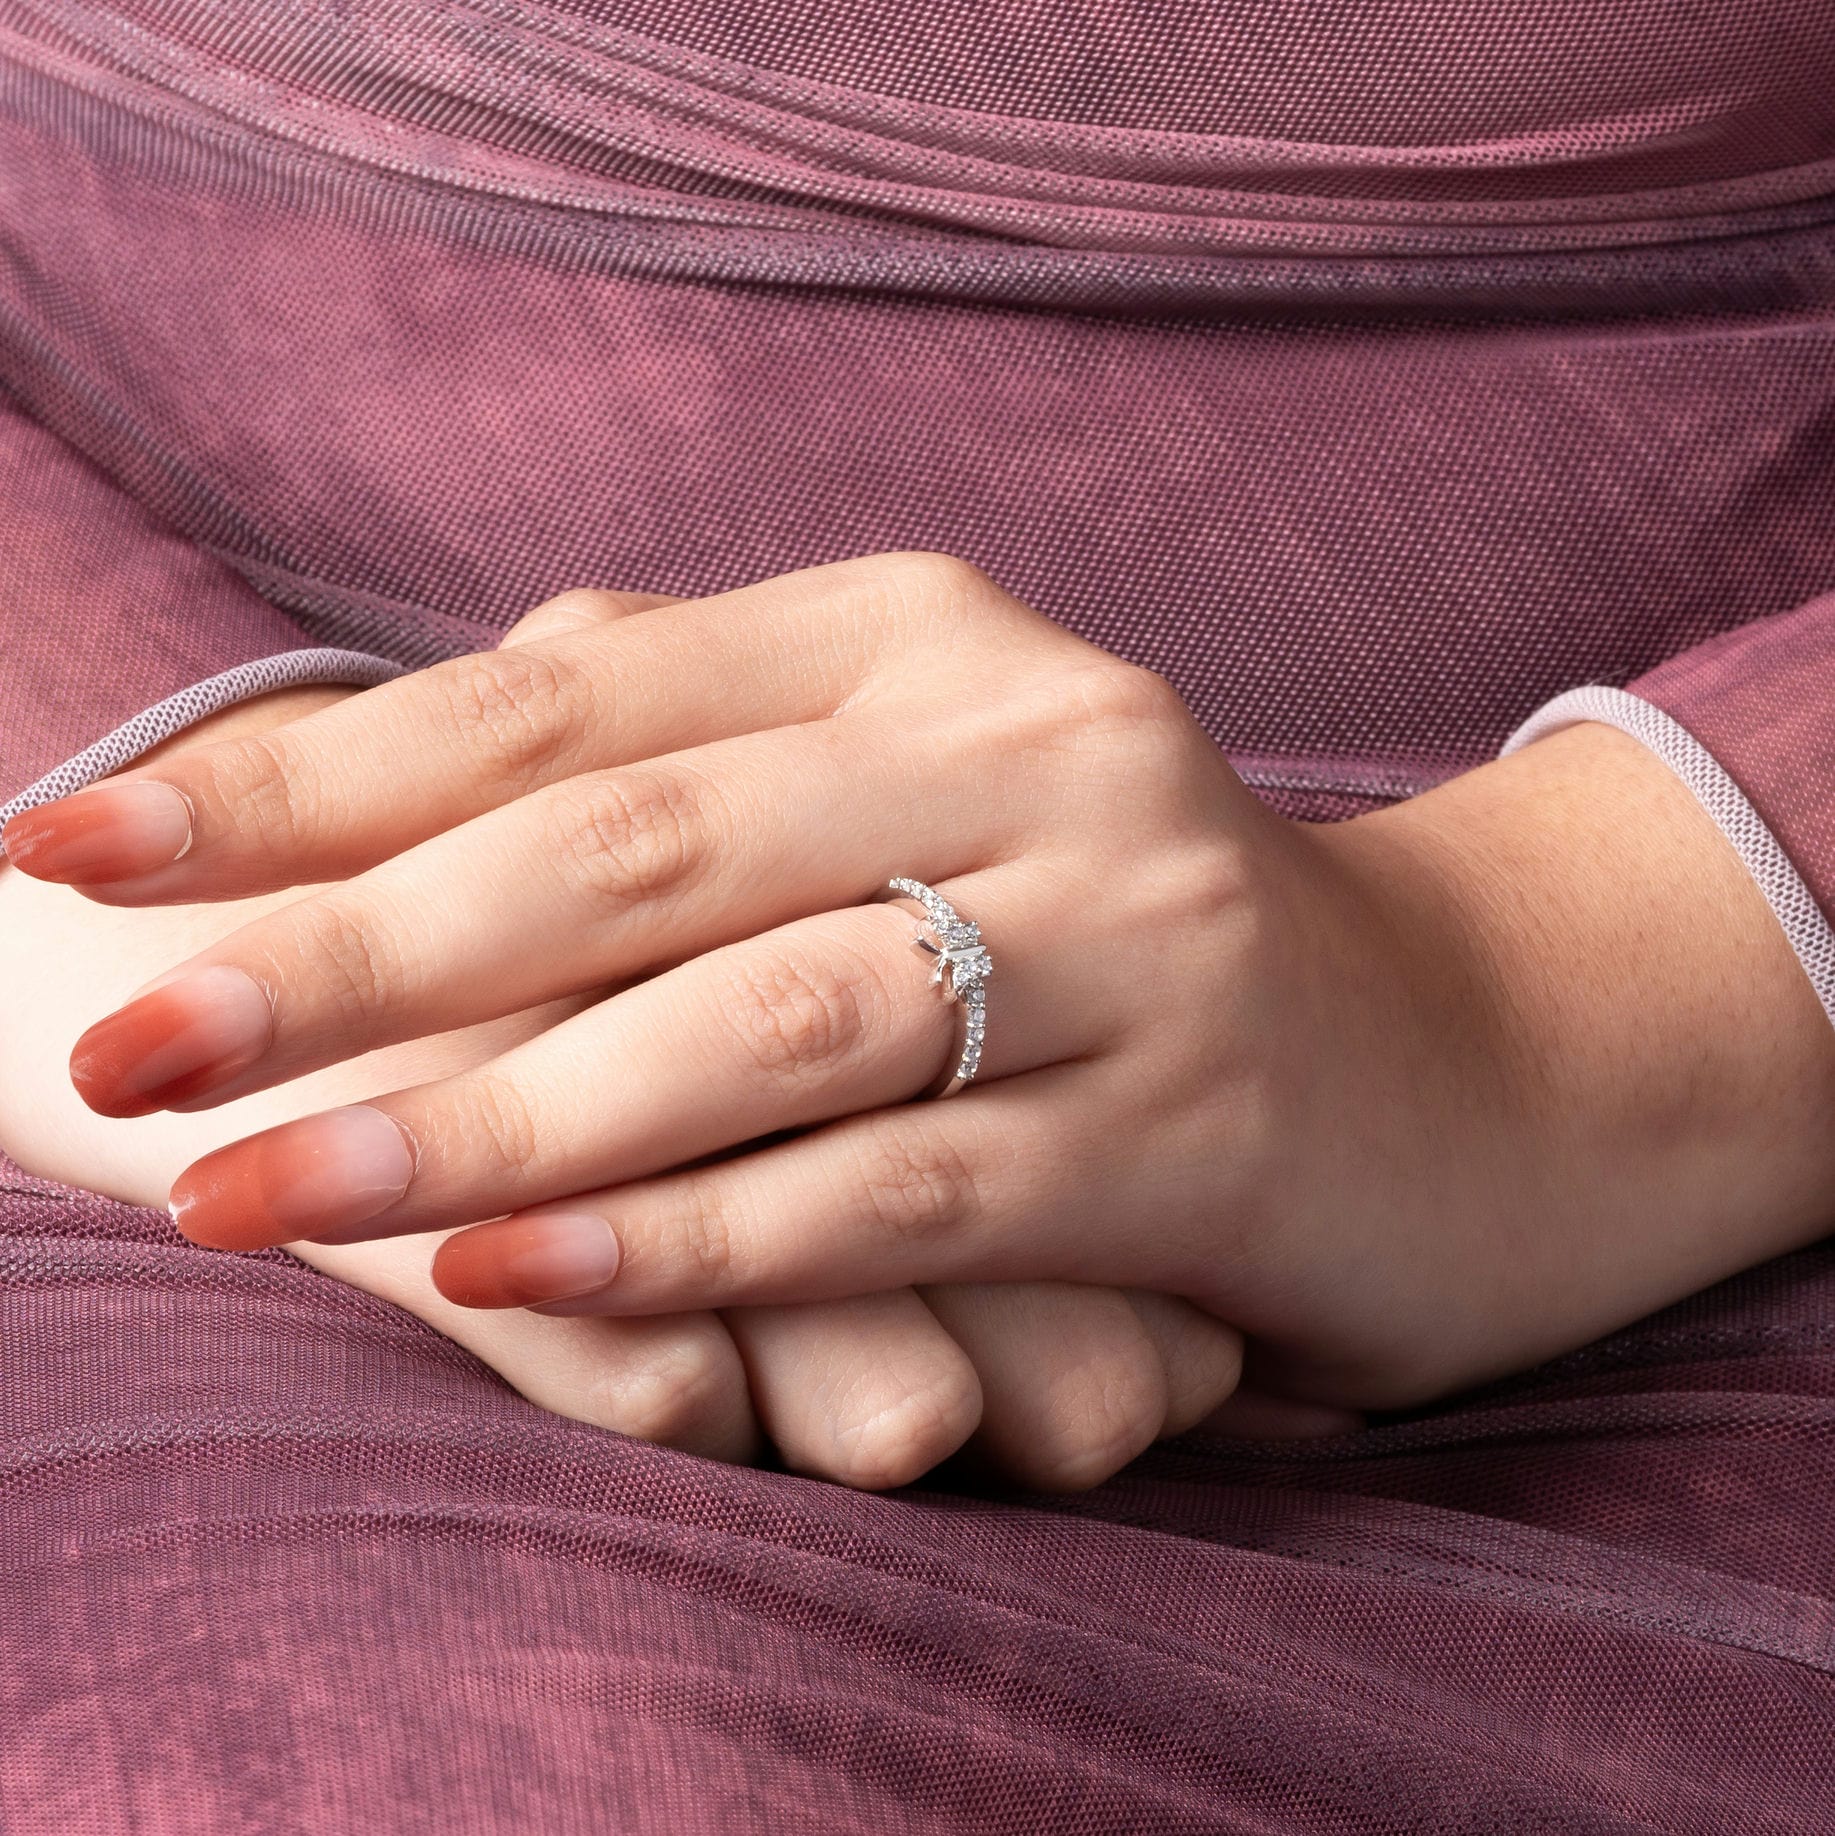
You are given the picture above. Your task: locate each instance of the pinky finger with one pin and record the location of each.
(981, 1189)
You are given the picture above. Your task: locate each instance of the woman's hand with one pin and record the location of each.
(870, 1393)
(1413, 1100)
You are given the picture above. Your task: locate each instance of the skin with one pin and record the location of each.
(1049, 1385)
(1412, 1100)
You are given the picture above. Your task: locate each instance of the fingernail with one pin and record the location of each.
(112, 832)
(521, 1261)
(183, 1039)
(323, 1173)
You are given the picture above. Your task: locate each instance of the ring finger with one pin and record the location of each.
(815, 1020)
(585, 884)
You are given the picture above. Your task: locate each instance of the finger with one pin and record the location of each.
(1202, 1357)
(1073, 1385)
(577, 611)
(676, 1381)
(869, 1391)
(586, 884)
(327, 796)
(808, 1022)
(986, 1187)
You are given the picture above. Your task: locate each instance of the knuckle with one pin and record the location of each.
(799, 1017)
(915, 1184)
(1203, 1367)
(514, 709)
(569, 611)
(350, 956)
(671, 1398)
(268, 790)
(937, 574)
(629, 836)
(1127, 695)
(923, 601)
(1103, 708)
(935, 594)
(1099, 1414)
(496, 1129)
(701, 1243)
(903, 1439)
(579, 606)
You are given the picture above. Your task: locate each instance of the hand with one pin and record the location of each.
(1413, 1100)
(850, 1392)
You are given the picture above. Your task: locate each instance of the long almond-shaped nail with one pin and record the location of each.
(180, 1041)
(521, 1261)
(111, 832)
(319, 1175)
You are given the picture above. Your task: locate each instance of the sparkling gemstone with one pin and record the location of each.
(969, 963)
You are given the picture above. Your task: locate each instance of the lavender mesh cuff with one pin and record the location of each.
(290, 669)
(1783, 886)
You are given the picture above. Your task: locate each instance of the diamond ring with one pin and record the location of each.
(961, 969)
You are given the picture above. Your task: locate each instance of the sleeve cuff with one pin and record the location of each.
(1785, 889)
(262, 675)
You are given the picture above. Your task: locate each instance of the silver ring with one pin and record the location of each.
(961, 969)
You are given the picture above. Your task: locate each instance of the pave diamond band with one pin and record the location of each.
(961, 966)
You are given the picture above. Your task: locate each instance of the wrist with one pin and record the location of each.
(1661, 1071)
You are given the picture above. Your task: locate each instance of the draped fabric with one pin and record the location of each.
(1377, 370)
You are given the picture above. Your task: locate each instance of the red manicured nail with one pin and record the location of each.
(323, 1173)
(178, 1042)
(520, 1261)
(112, 832)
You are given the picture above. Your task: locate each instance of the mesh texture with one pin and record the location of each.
(1377, 371)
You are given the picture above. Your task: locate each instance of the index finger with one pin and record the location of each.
(330, 795)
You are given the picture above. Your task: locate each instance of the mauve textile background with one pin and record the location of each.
(1375, 369)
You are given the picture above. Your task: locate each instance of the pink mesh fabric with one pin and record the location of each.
(383, 308)
(1739, 696)
(105, 608)
(1377, 371)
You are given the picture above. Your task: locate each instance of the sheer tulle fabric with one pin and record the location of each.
(1376, 372)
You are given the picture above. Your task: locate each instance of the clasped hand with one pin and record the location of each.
(1328, 1087)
